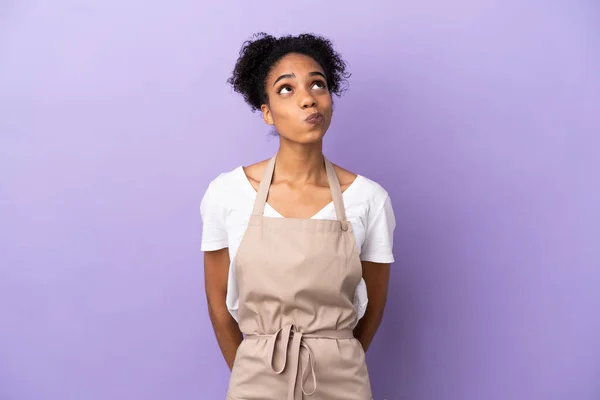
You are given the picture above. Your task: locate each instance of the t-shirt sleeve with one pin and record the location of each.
(379, 238)
(213, 212)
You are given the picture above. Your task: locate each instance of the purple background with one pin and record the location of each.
(481, 118)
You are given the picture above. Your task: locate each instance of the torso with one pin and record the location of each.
(297, 280)
(228, 205)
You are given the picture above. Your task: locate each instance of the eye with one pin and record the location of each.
(319, 85)
(284, 90)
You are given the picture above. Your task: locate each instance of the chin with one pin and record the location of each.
(306, 136)
(310, 137)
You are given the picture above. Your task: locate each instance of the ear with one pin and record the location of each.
(267, 116)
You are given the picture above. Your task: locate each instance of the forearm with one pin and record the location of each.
(227, 332)
(367, 327)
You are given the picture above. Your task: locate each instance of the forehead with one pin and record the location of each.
(293, 63)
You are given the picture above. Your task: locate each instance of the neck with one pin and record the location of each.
(300, 163)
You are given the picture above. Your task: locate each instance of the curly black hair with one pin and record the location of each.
(260, 54)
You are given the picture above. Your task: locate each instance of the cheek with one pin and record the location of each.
(326, 100)
(328, 105)
(281, 111)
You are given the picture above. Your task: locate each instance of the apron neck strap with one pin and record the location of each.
(263, 189)
(336, 192)
(334, 186)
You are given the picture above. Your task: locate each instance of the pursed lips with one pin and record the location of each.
(314, 117)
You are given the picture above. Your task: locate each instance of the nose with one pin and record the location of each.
(307, 100)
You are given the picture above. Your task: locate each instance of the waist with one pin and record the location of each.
(321, 334)
(279, 342)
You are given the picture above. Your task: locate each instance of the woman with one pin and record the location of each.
(291, 275)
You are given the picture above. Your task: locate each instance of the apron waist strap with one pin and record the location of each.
(298, 345)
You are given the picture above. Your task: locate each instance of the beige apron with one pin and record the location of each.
(296, 280)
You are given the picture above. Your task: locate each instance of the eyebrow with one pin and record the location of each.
(292, 75)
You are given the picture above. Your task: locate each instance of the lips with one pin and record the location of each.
(314, 118)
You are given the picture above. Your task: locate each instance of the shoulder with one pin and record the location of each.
(254, 172)
(346, 178)
(373, 194)
(223, 185)
(362, 189)
(225, 179)
(373, 188)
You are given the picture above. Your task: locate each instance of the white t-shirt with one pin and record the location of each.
(228, 202)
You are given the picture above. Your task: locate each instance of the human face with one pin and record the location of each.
(299, 101)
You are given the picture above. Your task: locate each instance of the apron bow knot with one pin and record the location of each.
(298, 345)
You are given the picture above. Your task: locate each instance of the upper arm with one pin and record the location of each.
(213, 210)
(216, 274)
(377, 250)
(377, 277)
(379, 233)
(215, 242)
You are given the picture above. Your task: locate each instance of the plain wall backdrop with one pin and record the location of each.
(481, 118)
